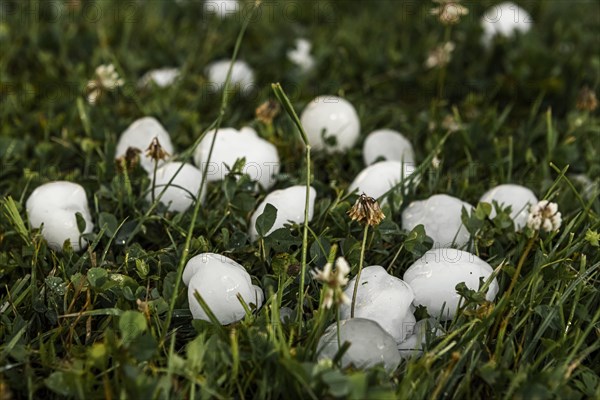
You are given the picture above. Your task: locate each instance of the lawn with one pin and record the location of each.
(107, 315)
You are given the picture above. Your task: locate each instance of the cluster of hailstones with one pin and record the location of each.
(384, 328)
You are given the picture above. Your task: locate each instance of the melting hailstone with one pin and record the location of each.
(384, 299)
(377, 179)
(289, 203)
(55, 205)
(440, 215)
(370, 344)
(519, 198)
(180, 194)
(139, 135)
(390, 145)
(219, 279)
(434, 277)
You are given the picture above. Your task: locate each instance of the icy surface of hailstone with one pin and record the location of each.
(55, 204)
(242, 76)
(139, 135)
(389, 144)
(180, 194)
(434, 277)
(384, 299)
(440, 215)
(262, 159)
(519, 198)
(370, 344)
(375, 180)
(413, 345)
(290, 207)
(162, 77)
(334, 116)
(218, 280)
(504, 19)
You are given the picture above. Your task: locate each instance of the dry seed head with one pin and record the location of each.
(155, 151)
(366, 210)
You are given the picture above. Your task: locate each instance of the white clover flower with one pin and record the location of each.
(301, 55)
(449, 11)
(106, 79)
(544, 216)
(440, 56)
(334, 280)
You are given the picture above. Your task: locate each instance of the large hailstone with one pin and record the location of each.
(330, 116)
(377, 179)
(180, 194)
(384, 299)
(370, 344)
(389, 144)
(504, 19)
(242, 76)
(262, 159)
(55, 205)
(440, 215)
(519, 198)
(139, 135)
(218, 280)
(434, 277)
(289, 203)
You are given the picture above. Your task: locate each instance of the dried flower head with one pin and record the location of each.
(544, 216)
(334, 280)
(449, 12)
(155, 151)
(366, 210)
(586, 100)
(440, 56)
(267, 111)
(129, 160)
(106, 80)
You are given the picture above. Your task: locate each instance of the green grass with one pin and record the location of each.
(95, 324)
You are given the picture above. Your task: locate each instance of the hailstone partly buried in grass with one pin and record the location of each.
(413, 345)
(389, 145)
(519, 198)
(330, 117)
(434, 277)
(504, 19)
(219, 280)
(181, 193)
(242, 76)
(262, 159)
(370, 344)
(290, 205)
(163, 77)
(440, 215)
(139, 135)
(55, 205)
(377, 179)
(384, 299)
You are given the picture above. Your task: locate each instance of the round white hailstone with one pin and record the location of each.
(286, 314)
(370, 344)
(519, 198)
(181, 193)
(377, 179)
(262, 159)
(289, 203)
(330, 116)
(382, 298)
(434, 277)
(389, 144)
(413, 345)
(242, 76)
(301, 55)
(504, 19)
(218, 280)
(440, 215)
(54, 205)
(162, 77)
(139, 135)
